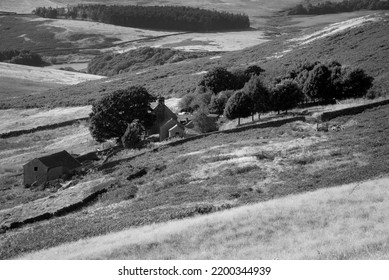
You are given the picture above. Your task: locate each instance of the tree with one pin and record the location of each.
(238, 106)
(111, 115)
(286, 95)
(203, 123)
(356, 83)
(219, 101)
(217, 80)
(253, 70)
(318, 84)
(259, 95)
(134, 135)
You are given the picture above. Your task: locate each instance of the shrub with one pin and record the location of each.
(356, 83)
(134, 135)
(203, 123)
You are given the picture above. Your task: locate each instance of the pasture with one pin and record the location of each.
(343, 222)
(16, 151)
(21, 80)
(219, 172)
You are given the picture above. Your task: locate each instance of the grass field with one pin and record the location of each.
(13, 119)
(20, 80)
(220, 172)
(16, 151)
(343, 222)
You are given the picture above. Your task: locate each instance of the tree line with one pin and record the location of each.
(328, 7)
(241, 93)
(180, 18)
(24, 57)
(126, 113)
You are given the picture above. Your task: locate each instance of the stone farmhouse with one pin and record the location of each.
(166, 123)
(47, 168)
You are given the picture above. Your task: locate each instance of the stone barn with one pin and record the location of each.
(47, 168)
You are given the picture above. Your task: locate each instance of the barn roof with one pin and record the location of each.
(60, 159)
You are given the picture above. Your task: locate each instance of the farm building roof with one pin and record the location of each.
(60, 159)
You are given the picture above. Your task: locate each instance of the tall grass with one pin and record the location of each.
(347, 222)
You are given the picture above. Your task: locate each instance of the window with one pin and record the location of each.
(36, 168)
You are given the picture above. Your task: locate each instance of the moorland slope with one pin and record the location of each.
(361, 42)
(216, 173)
(344, 222)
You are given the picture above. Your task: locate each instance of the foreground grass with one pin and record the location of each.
(219, 172)
(347, 222)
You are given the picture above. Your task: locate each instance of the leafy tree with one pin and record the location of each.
(356, 83)
(111, 115)
(217, 80)
(318, 84)
(219, 101)
(134, 135)
(203, 123)
(238, 106)
(286, 95)
(253, 70)
(185, 103)
(259, 95)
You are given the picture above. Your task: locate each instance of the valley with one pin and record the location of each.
(290, 191)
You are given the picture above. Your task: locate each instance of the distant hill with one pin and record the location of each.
(365, 45)
(113, 64)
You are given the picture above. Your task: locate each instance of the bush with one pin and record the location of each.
(203, 123)
(134, 135)
(356, 83)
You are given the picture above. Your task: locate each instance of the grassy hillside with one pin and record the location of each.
(21, 80)
(113, 64)
(364, 45)
(219, 172)
(346, 222)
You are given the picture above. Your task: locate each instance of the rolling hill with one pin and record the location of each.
(229, 170)
(20, 80)
(361, 42)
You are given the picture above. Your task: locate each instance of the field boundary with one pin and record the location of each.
(40, 128)
(326, 116)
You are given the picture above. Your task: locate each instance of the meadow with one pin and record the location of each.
(343, 222)
(20, 80)
(16, 151)
(220, 172)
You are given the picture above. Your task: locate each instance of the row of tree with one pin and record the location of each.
(153, 17)
(328, 7)
(243, 93)
(24, 57)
